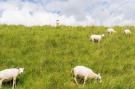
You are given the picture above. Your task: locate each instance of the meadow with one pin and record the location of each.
(49, 53)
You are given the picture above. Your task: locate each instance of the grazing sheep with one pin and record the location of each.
(10, 74)
(127, 32)
(110, 31)
(84, 73)
(96, 38)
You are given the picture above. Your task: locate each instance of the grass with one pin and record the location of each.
(48, 54)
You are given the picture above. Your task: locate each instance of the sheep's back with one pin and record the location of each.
(8, 73)
(82, 71)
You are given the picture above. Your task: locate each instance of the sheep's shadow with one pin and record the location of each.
(81, 80)
(10, 83)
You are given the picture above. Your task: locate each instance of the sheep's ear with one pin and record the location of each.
(99, 74)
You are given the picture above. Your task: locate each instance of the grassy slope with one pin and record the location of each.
(49, 53)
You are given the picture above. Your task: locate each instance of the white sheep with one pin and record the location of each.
(10, 74)
(96, 38)
(84, 73)
(127, 32)
(110, 31)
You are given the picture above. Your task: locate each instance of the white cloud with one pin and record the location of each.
(103, 12)
(72, 12)
(27, 13)
(70, 8)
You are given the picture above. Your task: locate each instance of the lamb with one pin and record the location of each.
(96, 38)
(127, 32)
(10, 74)
(84, 73)
(110, 31)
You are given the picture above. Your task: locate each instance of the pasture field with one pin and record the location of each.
(48, 54)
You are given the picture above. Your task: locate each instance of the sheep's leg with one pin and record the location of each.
(1, 83)
(85, 78)
(75, 80)
(14, 83)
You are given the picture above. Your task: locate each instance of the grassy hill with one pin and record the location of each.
(48, 54)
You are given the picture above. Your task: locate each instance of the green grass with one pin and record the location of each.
(48, 54)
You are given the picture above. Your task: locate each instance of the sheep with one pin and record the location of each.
(96, 38)
(84, 73)
(127, 32)
(110, 31)
(10, 74)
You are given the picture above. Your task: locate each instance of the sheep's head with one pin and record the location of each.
(99, 78)
(21, 70)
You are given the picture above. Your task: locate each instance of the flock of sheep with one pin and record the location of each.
(85, 72)
(97, 38)
(78, 71)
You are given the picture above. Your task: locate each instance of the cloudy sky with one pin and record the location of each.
(69, 12)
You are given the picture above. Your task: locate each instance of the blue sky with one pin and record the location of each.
(69, 12)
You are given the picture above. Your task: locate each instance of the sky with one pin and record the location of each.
(68, 12)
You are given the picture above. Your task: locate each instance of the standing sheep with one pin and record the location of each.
(10, 74)
(96, 38)
(110, 31)
(85, 73)
(127, 32)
